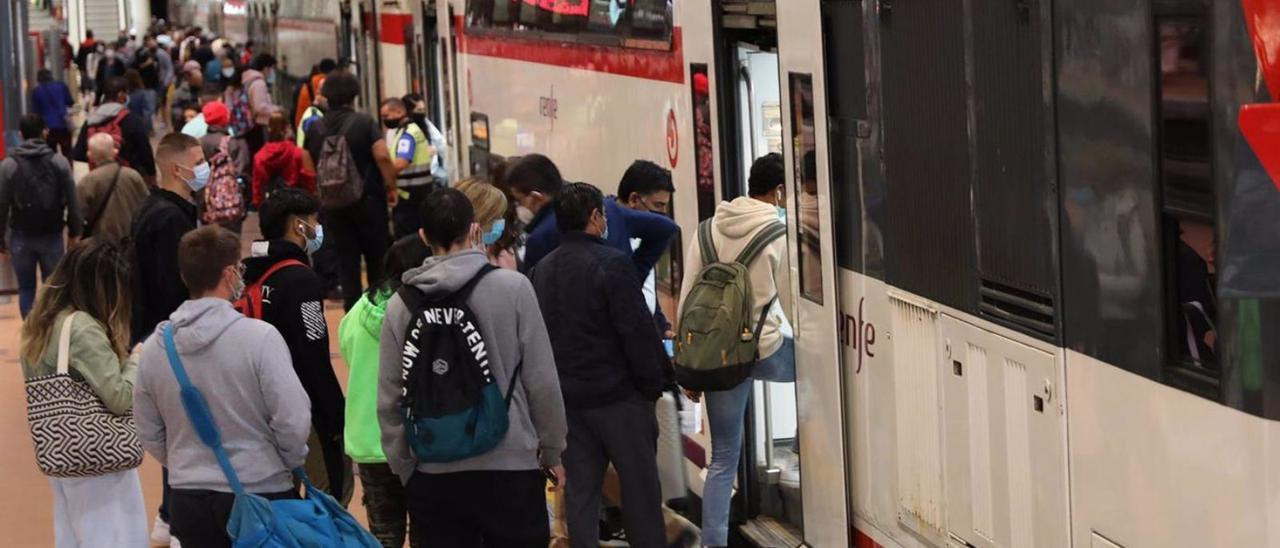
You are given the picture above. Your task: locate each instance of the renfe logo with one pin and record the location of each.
(858, 334)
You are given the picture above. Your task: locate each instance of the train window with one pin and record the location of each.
(703, 152)
(632, 23)
(804, 154)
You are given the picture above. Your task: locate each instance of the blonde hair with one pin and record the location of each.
(489, 202)
(94, 278)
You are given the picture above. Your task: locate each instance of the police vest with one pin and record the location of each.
(419, 171)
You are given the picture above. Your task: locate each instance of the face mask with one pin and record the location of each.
(313, 244)
(228, 72)
(495, 232)
(782, 214)
(271, 78)
(392, 123)
(524, 214)
(199, 177)
(237, 288)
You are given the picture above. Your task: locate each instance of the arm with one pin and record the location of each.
(94, 358)
(259, 180)
(146, 414)
(260, 99)
(406, 147)
(540, 377)
(541, 242)
(655, 233)
(302, 324)
(288, 409)
(616, 280)
(80, 152)
(394, 444)
(66, 95)
(307, 175)
(382, 158)
(75, 216)
(8, 169)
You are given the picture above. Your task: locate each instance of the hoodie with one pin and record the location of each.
(135, 150)
(282, 158)
(510, 321)
(734, 224)
(242, 368)
(255, 85)
(60, 181)
(358, 340)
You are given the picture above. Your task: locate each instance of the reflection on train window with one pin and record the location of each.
(804, 153)
(635, 23)
(1188, 208)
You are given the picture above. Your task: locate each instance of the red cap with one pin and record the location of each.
(216, 114)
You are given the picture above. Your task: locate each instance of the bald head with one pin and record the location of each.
(102, 149)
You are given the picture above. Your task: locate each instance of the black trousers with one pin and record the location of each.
(198, 518)
(359, 232)
(60, 140)
(625, 434)
(489, 509)
(385, 505)
(406, 216)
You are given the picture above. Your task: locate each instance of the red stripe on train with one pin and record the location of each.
(693, 452)
(665, 66)
(861, 540)
(392, 26)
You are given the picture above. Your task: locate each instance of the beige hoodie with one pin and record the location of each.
(735, 223)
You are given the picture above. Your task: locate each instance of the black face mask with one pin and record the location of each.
(393, 123)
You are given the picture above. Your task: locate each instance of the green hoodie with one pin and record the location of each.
(358, 341)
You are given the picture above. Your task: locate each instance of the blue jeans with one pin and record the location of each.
(726, 411)
(29, 251)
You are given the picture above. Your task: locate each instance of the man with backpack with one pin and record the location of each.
(355, 181)
(37, 202)
(111, 194)
(125, 127)
(242, 368)
(736, 265)
(223, 201)
(461, 338)
(284, 292)
(612, 370)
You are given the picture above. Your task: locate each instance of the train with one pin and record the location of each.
(1032, 274)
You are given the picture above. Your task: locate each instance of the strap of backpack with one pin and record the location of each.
(102, 206)
(707, 246)
(764, 313)
(463, 293)
(198, 413)
(761, 240)
(254, 293)
(511, 384)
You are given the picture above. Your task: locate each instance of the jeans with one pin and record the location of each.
(44, 250)
(385, 504)
(104, 510)
(726, 412)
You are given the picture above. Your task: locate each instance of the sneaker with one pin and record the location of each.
(160, 534)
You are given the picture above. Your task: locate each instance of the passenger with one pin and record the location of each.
(167, 214)
(292, 300)
(51, 99)
(496, 498)
(110, 66)
(734, 225)
(91, 287)
(360, 230)
(125, 126)
(242, 367)
(412, 159)
(87, 58)
(187, 95)
(358, 339)
(313, 114)
(647, 187)
(217, 118)
(37, 202)
(281, 164)
(309, 87)
(255, 81)
(496, 218)
(139, 99)
(610, 362)
(111, 194)
(439, 146)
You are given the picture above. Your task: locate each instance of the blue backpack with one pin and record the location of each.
(452, 407)
(316, 521)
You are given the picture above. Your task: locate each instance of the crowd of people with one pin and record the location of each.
(503, 333)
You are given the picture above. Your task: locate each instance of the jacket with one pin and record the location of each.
(281, 158)
(734, 224)
(136, 149)
(51, 100)
(123, 205)
(36, 150)
(654, 231)
(508, 318)
(358, 340)
(606, 344)
(92, 359)
(242, 368)
(158, 288)
(255, 85)
(293, 302)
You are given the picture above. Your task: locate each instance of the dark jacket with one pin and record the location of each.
(655, 232)
(51, 100)
(606, 346)
(58, 171)
(158, 289)
(136, 149)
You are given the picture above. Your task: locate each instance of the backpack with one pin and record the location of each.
(38, 202)
(337, 179)
(250, 301)
(717, 346)
(113, 128)
(223, 200)
(452, 407)
(241, 112)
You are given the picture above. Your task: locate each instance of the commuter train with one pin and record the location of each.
(1032, 274)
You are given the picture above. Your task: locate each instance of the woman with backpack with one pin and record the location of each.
(280, 163)
(496, 218)
(358, 340)
(76, 341)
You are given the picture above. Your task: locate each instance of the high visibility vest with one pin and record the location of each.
(300, 136)
(419, 171)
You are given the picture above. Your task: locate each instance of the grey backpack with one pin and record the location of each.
(337, 179)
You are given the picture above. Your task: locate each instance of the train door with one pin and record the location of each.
(366, 58)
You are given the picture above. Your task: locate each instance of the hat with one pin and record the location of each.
(216, 114)
(191, 66)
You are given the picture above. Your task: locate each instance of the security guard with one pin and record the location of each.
(412, 155)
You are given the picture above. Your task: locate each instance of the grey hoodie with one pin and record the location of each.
(36, 150)
(242, 367)
(104, 113)
(511, 323)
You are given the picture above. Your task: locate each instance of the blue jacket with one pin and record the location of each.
(655, 233)
(51, 100)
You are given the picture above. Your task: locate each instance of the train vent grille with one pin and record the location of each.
(1023, 310)
(916, 397)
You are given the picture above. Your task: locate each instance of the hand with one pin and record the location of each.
(72, 241)
(560, 478)
(1211, 339)
(669, 334)
(393, 197)
(693, 395)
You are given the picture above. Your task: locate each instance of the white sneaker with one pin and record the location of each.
(160, 534)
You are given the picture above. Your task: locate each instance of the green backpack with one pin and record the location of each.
(717, 344)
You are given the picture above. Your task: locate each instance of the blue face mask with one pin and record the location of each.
(313, 244)
(495, 232)
(782, 214)
(199, 177)
(605, 235)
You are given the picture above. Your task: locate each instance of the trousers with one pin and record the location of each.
(385, 505)
(102, 510)
(30, 251)
(483, 508)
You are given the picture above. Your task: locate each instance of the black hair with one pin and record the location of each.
(446, 216)
(534, 173)
(341, 89)
(767, 173)
(262, 61)
(31, 126)
(574, 205)
(44, 76)
(276, 209)
(115, 86)
(394, 102)
(644, 178)
(407, 252)
(327, 65)
(88, 33)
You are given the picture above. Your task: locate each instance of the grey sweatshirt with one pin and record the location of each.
(510, 321)
(242, 367)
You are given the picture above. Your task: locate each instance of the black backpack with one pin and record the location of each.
(452, 407)
(38, 203)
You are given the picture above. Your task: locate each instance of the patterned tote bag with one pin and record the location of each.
(74, 433)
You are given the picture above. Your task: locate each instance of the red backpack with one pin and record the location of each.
(112, 128)
(223, 199)
(250, 302)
